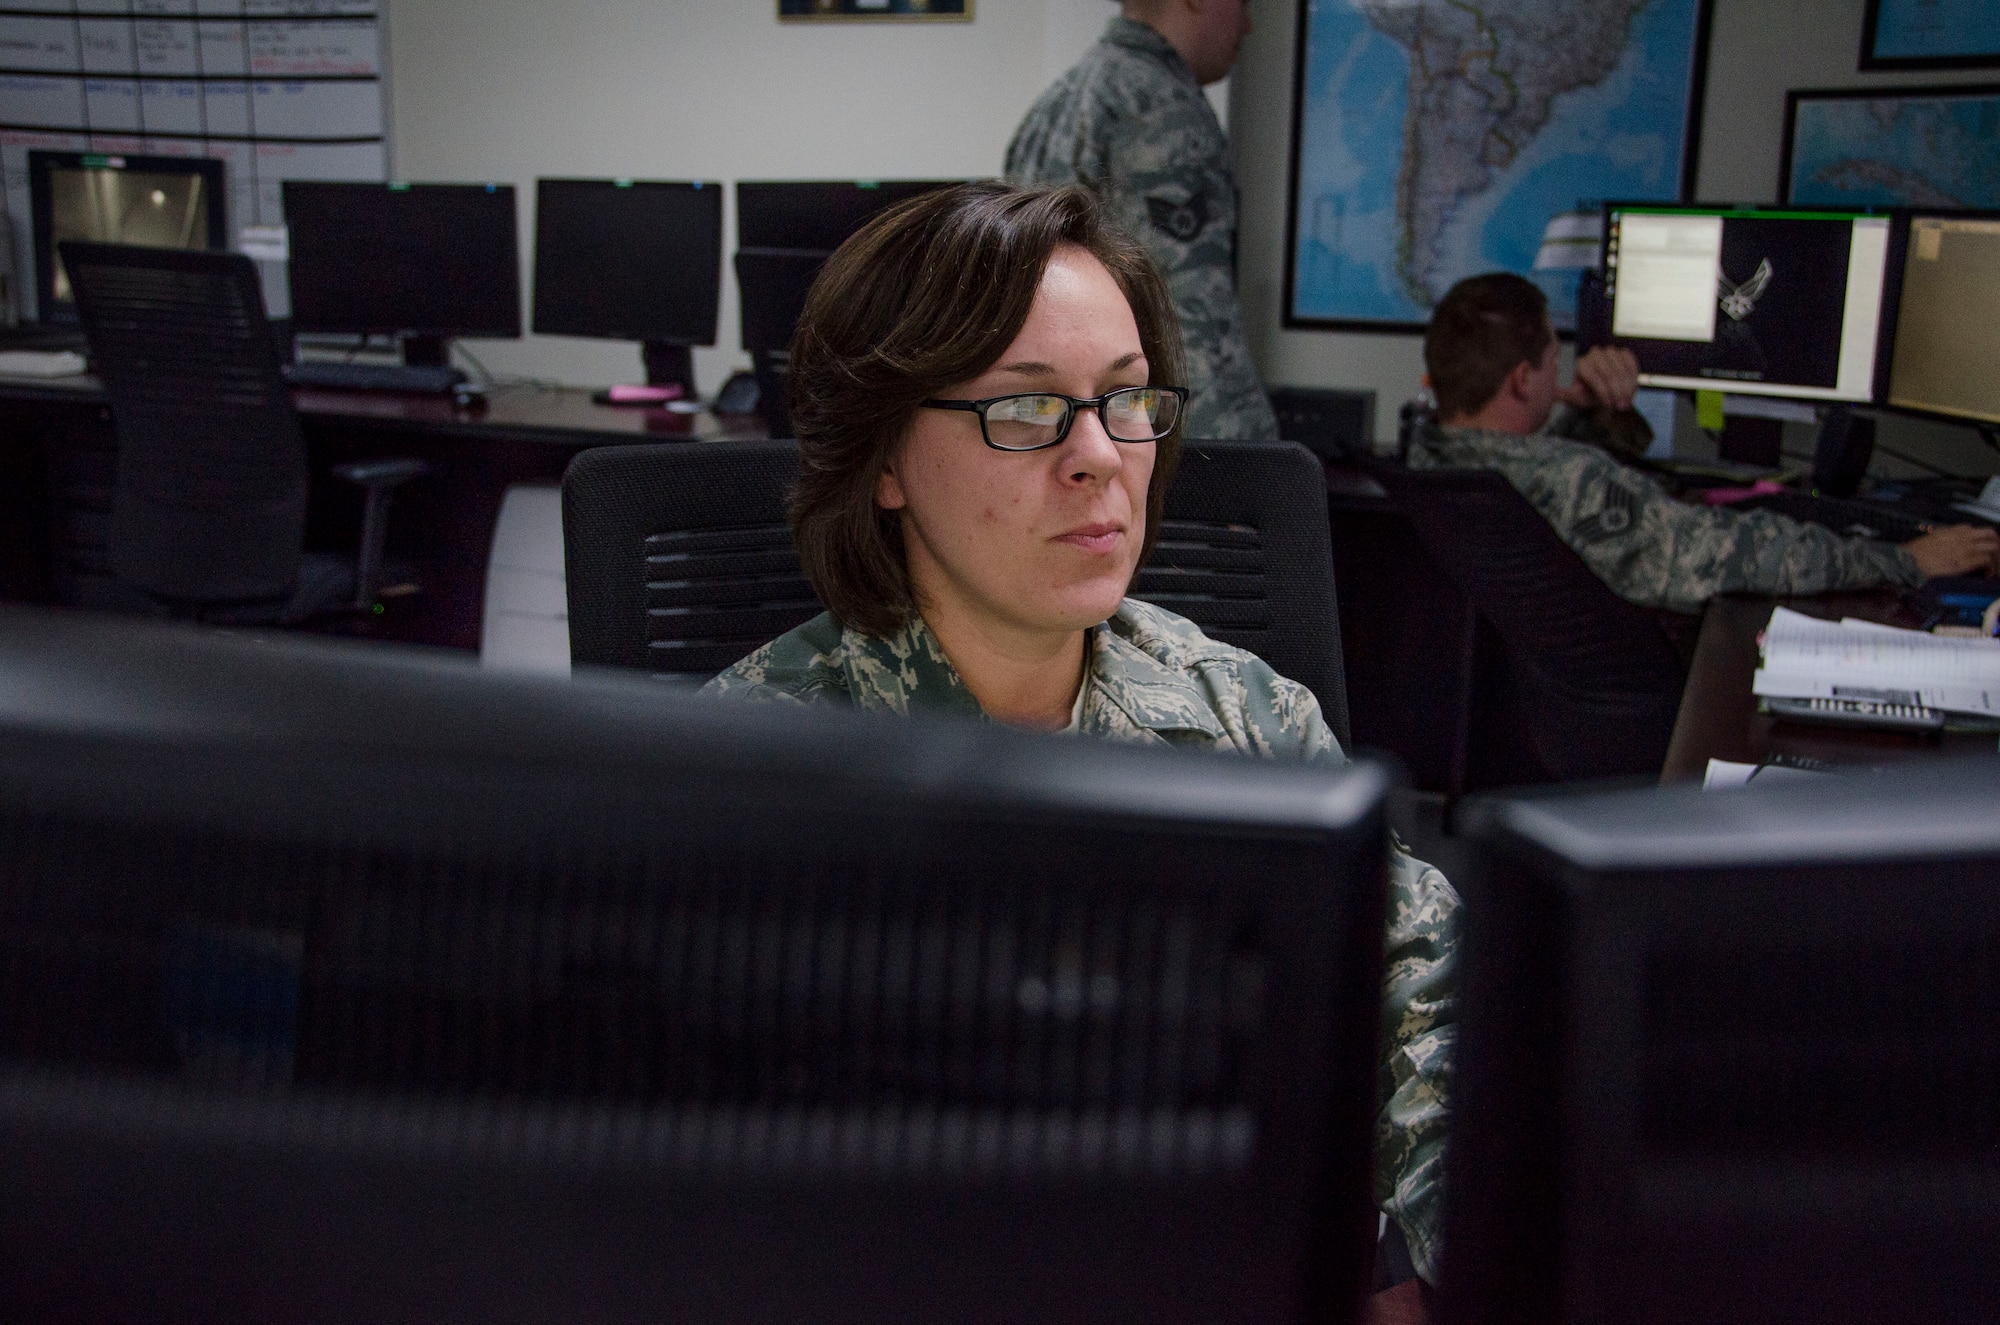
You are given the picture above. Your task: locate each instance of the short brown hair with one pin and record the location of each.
(1484, 326)
(930, 294)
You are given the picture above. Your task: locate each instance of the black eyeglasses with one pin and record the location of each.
(1041, 419)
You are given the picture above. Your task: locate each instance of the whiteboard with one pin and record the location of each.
(278, 89)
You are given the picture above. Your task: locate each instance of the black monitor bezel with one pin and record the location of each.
(42, 162)
(512, 262)
(541, 325)
(1891, 281)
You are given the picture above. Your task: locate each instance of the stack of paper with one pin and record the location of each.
(41, 363)
(1807, 658)
(1986, 505)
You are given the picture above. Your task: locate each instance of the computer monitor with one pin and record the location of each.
(426, 262)
(774, 284)
(107, 198)
(785, 231)
(1730, 1055)
(817, 214)
(1945, 357)
(1756, 301)
(355, 981)
(630, 260)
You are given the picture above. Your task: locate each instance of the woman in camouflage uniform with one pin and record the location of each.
(985, 388)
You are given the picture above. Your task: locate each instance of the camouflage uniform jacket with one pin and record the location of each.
(1129, 123)
(1650, 548)
(1155, 679)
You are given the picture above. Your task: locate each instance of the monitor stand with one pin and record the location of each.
(426, 351)
(1841, 454)
(669, 365)
(1751, 440)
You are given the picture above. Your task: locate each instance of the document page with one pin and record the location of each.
(1806, 658)
(1666, 286)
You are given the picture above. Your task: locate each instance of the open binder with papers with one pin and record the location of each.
(1862, 673)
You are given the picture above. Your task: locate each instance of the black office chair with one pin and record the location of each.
(209, 499)
(1244, 553)
(1559, 678)
(680, 560)
(679, 557)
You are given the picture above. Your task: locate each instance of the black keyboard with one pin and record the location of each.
(405, 378)
(1865, 519)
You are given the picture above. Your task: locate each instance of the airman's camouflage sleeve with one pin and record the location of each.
(1419, 1030)
(1419, 990)
(1659, 552)
(1279, 716)
(801, 666)
(1168, 183)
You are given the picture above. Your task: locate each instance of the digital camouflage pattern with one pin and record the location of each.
(1650, 548)
(1155, 679)
(1129, 123)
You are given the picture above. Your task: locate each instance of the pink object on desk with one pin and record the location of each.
(630, 394)
(1763, 487)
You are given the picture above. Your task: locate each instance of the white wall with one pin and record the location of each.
(1760, 48)
(506, 90)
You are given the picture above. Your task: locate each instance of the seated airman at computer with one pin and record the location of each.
(1491, 356)
(986, 389)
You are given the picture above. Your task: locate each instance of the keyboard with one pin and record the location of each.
(1859, 713)
(1867, 519)
(406, 378)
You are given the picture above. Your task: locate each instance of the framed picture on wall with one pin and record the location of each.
(1431, 142)
(1930, 34)
(819, 11)
(1892, 147)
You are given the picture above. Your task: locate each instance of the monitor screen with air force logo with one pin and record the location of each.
(1747, 300)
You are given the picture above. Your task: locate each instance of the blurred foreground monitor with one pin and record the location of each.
(344, 983)
(1729, 1056)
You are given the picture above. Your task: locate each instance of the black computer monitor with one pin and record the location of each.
(630, 260)
(774, 284)
(1730, 1056)
(1757, 301)
(108, 198)
(1943, 352)
(785, 231)
(817, 214)
(423, 261)
(355, 983)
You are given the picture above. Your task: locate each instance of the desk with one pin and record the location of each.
(58, 453)
(564, 416)
(1719, 718)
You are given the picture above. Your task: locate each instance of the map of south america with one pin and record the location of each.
(1484, 76)
(1438, 138)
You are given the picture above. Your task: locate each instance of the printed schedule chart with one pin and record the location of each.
(278, 89)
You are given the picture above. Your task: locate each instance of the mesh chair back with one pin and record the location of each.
(1244, 553)
(680, 559)
(1597, 681)
(209, 503)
